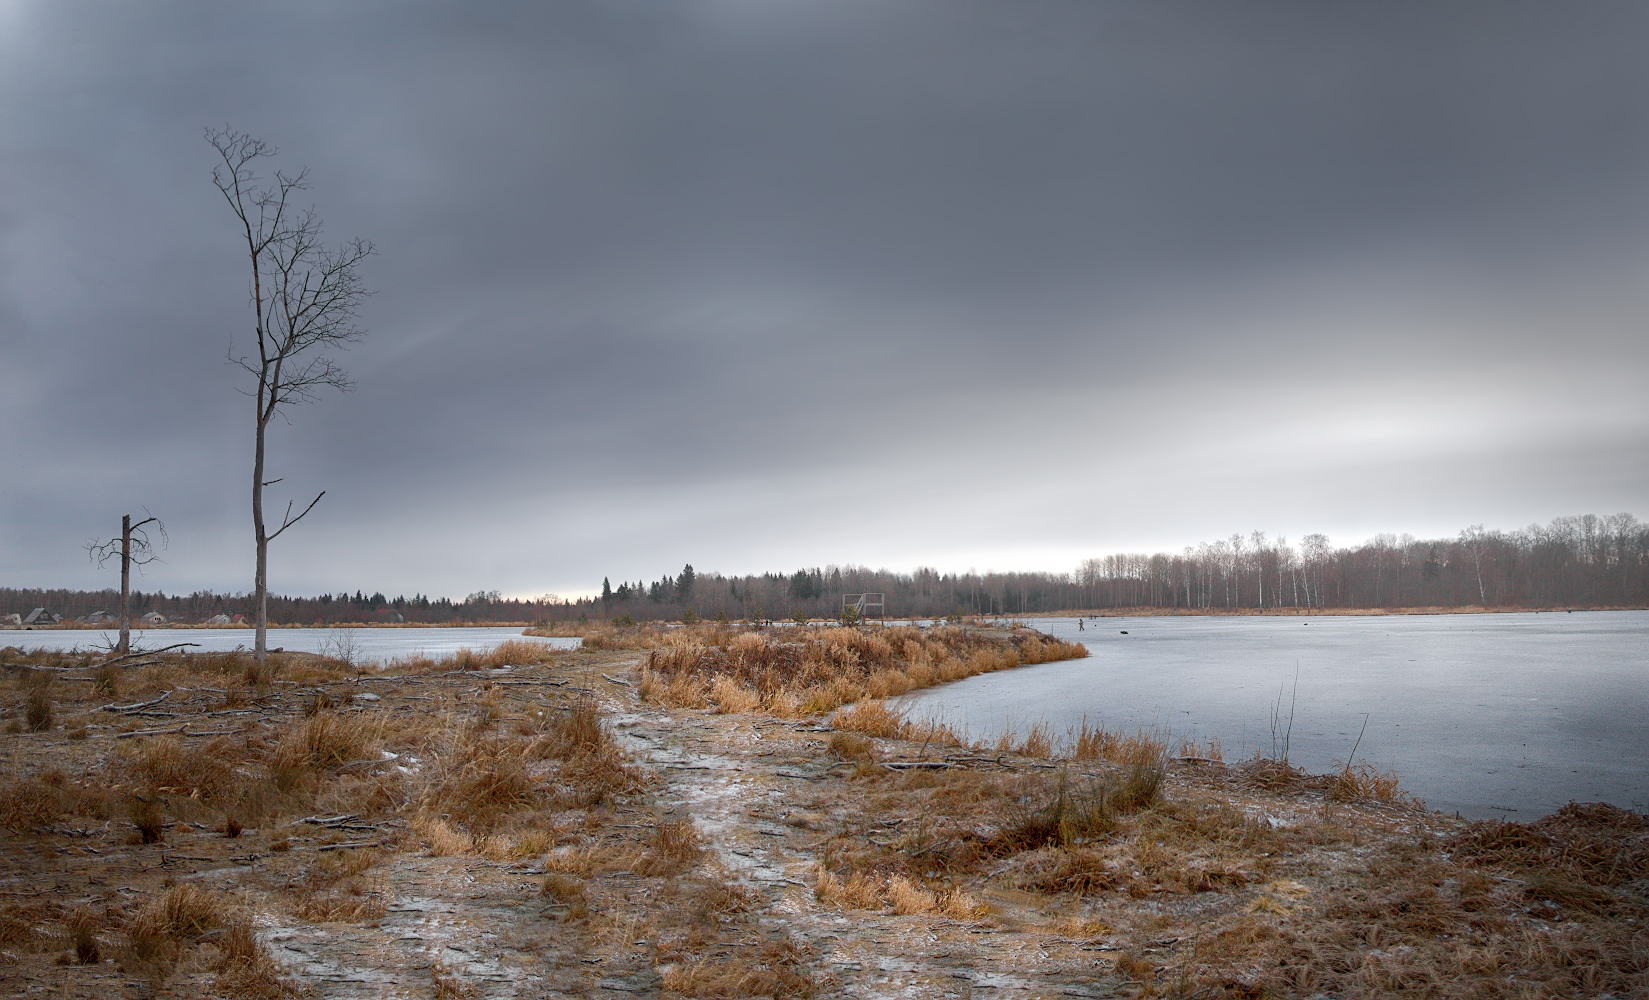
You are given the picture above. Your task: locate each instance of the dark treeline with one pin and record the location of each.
(1586, 560)
(1574, 561)
(481, 607)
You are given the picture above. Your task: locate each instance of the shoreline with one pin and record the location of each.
(1470, 609)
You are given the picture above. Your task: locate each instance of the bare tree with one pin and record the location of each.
(305, 297)
(1474, 541)
(133, 548)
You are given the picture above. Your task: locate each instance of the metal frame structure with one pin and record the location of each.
(863, 603)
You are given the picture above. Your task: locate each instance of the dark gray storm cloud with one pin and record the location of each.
(764, 284)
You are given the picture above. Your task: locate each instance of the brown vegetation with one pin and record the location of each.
(1171, 869)
(797, 672)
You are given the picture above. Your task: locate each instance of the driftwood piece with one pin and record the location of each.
(916, 765)
(132, 708)
(615, 680)
(150, 732)
(148, 652)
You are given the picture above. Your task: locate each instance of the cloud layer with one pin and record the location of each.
(761, 285)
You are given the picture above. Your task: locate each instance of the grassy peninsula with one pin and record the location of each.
(728, 811)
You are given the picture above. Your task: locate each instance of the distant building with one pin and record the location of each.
(97, 617)
(154, 618)
(217, 620)
(237, 619)
(40, 616)
(14, 620)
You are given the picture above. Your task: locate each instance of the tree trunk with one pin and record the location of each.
(260, 585)
(125, 585)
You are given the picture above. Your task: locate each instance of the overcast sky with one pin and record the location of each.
(762, 284)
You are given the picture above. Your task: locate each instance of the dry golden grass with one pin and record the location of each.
(776, 971)
(850, 747)
(809, 671)
(482, 793)
(673, 848)
(481, 783)
(873, 718)
(1363, 782)
(166, 764)
(327, 739)
(37, 712)
(27, 804)
(590, 860)
(158, 933)
(730, 697)
(439, 836)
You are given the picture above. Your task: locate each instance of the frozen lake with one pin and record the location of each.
(1506, 715)
(370, 644)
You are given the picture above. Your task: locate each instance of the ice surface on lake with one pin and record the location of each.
(369, 644)
(1507, 715)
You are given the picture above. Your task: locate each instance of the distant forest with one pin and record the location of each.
(1580, 561)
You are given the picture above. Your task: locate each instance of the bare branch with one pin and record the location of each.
(288, 520)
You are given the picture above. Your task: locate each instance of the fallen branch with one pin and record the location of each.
(345, 847)
(319, 820)
(148, 652)
(137, 707)
(150, 732)
(615, 680)
(910, 765)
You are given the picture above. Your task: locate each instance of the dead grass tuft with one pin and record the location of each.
(567, 892)
(146, 818)
(27, 804)
(854, 891)
(166, 764)
(777, 971)
(851, 747)
(327, 739)
(244, 967)
(157, 933)
(1363, 782)
(485, 781)
(674, 848)
(873, 718)
(37, 712)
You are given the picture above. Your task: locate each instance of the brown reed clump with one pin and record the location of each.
(166, 764)
(327, 739)
(674, 847)
(1363, 781)
(809, 671)
(27, 804)
(161, 928)
(777, 971)
(483, 782)
(37, 712)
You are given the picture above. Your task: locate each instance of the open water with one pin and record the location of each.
(1505, 715)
